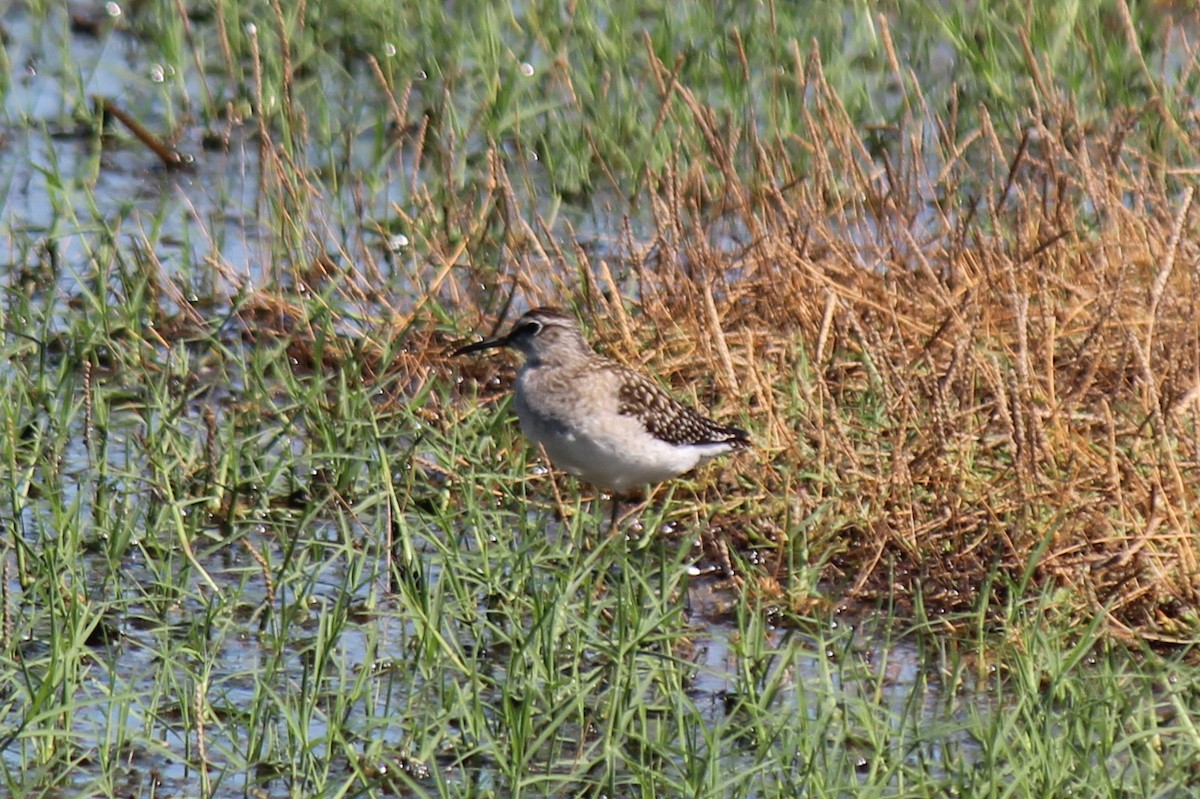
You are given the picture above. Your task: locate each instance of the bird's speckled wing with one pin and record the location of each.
(669, 420)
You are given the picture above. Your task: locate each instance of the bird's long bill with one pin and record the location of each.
(480, 346)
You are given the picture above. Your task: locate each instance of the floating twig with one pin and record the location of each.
(171, 158)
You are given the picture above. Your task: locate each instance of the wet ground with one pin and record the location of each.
(117, 197)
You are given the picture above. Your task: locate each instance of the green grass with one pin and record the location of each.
(257, 537)
(510, 656)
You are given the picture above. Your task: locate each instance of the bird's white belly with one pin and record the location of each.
(615, 452)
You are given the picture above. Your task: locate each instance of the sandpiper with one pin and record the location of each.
(597, 419)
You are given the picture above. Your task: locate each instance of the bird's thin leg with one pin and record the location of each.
(559, 505)
(635, 506)
(613, 521)
(715, 543)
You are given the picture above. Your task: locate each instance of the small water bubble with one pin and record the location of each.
(112, 9)
(527, 69)
(398, 242)
(389, 49)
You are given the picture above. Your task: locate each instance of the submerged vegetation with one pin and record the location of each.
(262, 537)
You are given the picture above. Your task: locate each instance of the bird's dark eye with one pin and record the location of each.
(528, 329)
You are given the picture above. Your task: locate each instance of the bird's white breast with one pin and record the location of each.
(582, 431)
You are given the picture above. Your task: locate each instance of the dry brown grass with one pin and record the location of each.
(965, 360)
(949, 389)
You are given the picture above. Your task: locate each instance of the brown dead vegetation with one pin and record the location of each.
(961, 359)
(967, 359)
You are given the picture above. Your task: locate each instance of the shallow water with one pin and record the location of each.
(131, 694)
(152, 652)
